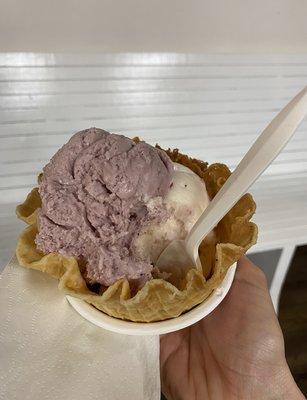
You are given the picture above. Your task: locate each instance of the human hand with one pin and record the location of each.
(236, 352)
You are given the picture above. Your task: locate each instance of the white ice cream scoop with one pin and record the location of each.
(184, 203)
(181, 254)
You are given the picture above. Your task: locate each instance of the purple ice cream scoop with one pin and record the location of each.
(98, 192)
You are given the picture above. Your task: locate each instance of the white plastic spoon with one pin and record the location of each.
(180, 254)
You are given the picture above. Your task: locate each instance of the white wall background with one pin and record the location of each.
(154, 25)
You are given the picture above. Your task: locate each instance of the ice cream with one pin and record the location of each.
(114, 205)
(185, 202)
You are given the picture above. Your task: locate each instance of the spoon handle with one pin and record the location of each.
(257, 159)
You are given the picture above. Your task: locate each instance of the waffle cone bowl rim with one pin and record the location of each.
(116, 325)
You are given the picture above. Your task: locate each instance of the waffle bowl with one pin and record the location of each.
(159, 299)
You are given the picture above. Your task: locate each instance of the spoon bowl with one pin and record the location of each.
(175, 259)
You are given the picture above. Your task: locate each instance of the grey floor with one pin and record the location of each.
(293, 317)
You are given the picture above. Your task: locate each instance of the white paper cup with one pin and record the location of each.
(155, 328)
